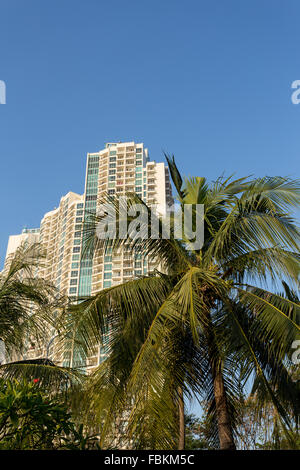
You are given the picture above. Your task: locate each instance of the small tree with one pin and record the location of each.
(29, 420)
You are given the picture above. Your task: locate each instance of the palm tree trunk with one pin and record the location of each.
(181, 441)
(223, 417)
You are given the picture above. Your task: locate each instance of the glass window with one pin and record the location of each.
(107, 275)
(74, 273)
(72, 290)
(106, 284)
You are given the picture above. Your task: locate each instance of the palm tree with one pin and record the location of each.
(29, 309)
(199, 327)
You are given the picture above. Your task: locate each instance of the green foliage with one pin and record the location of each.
(27, 302)
(200, 325)
(30, 420)
(259, 427)
(197, 433)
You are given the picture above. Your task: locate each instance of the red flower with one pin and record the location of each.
(35, 381)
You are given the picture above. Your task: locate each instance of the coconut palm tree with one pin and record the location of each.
(29, 308)
(198, 327)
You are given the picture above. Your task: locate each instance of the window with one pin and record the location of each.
(80, 212)
(75, 257)
(93, 158)
(78, 219)
(72, 290)
(112, 165)
(78, 227)
(111, 191)
(77, 242)
(112, 172)
(127, 273)
(73, 282)
(107, 275)
(80, 206)
(77, 234)
(106, 284)
(107, 258)
(76, 249)
(107, 267)
(74, 266)
(74, 273)
(92, 171)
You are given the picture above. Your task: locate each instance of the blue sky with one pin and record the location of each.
(209, 81)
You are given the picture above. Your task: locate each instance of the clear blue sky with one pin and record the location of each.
(209, 81)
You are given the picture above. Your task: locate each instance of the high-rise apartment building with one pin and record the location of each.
(116, 170)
